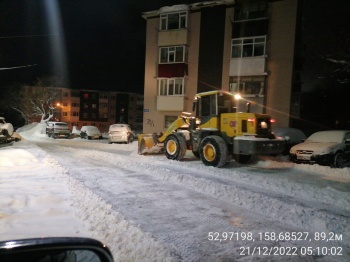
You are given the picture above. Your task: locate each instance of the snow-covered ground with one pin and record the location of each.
(149, 208)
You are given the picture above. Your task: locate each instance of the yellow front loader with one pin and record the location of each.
(216, 131)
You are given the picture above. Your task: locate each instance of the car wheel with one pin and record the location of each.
(339, 160)
(175, 146)
(213, 151)
(89, 137)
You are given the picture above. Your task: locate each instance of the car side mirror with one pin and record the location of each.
(55, 249)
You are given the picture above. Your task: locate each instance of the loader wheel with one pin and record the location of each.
(213, 151)
(175, 146)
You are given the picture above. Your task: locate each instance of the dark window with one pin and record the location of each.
(244, 126)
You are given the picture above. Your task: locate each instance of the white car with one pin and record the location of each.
(324, 148)
(120, 133)
(90, 132)
(57, 129)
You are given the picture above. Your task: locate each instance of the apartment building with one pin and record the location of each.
(241, 46)
(101, 108)
(93, 107)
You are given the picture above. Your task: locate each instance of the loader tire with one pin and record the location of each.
(213, 151)
(175, 146)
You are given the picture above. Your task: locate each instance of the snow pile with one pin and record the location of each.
(34, 202)
(40, 199)
(22, 158)
(33, 130)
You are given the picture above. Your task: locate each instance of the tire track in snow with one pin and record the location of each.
(176, 216)
(280, 208)
(296, 216)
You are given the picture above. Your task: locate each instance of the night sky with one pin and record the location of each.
(103, 42)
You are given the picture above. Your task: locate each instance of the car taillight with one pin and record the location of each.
(250, 119)
(272, 120)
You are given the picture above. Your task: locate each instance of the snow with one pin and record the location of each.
(149, 208)
(173, 8)
(336, 136)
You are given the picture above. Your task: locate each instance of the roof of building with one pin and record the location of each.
(184, 7)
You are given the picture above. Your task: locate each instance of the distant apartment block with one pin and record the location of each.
(98, 108)
(242, 46)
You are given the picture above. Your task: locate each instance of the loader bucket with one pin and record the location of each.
(148, 144)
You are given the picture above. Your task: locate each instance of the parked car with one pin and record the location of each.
(120, 133)
(90, 132)
(292, 137)
(324, 148)
(57, 129)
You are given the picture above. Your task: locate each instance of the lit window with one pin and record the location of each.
(248, 46)
(248, 86)
(173, 21)
(173, 54)
(171, 86)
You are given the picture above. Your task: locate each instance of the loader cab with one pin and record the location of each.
(210, 105)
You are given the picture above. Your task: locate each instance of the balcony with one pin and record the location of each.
(170, 103)
(173, 37)
(247, 66)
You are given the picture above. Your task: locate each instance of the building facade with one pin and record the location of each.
(241, 46)
(98, 108)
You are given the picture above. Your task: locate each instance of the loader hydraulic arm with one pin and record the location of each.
(175, 125)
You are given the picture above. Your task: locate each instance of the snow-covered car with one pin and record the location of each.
(292, 137)
(7, 133)
(90, 132)
(120, 133)
(57, 129)
(324, 148)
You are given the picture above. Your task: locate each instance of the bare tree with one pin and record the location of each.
(35, 102)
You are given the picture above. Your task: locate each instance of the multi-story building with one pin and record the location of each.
(98, 108)
(241, 46)
(101, 108)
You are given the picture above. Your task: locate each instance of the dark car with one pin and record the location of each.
(292, 137)
(324, 148)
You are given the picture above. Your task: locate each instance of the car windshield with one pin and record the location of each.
(331, 137)
(61, 124)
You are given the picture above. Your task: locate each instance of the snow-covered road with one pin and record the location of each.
(148, 208)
